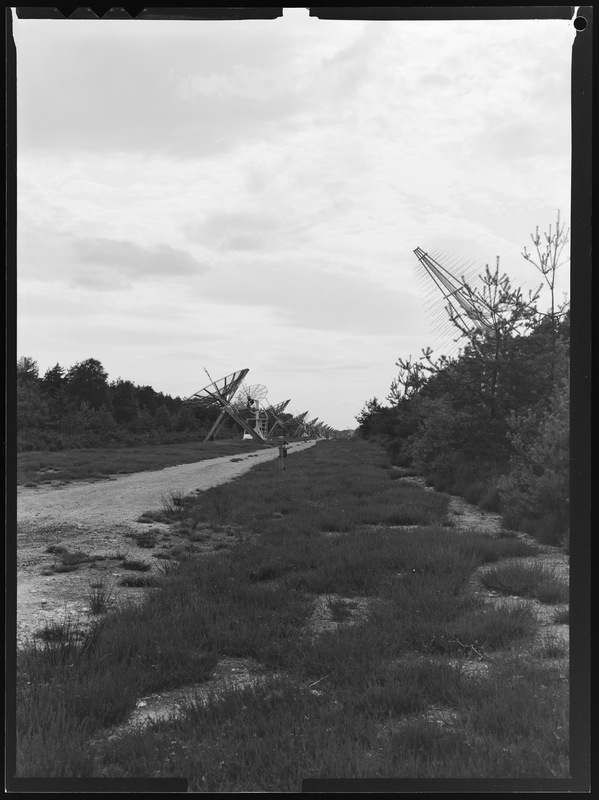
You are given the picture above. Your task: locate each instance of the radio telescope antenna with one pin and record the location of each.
(311, 427)
(220, 393)
(250, 396)
(299, 422)
(460, 303)
(274, 412)
(248, 406)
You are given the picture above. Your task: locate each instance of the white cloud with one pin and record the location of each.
(131, 261)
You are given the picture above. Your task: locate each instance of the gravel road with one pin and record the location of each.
(121, 500)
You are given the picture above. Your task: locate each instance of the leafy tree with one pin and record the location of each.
(535, 493)
(147, 398)
(163, 418)
(53, 381)
(185, 419)
(32, 407)
(123, 401)
(88, 381)
(27, 370)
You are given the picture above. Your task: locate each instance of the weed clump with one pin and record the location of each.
(146, 539)
(526, 580)
(138, 582)
(135, 565)
(100, 598)
(69, 561)
(562, 616)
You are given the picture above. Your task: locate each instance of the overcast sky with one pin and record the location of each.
(250, 193)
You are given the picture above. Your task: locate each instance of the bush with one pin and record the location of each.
(526, 580)
(535, 493)
(398, 453)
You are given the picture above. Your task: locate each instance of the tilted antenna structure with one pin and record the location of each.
(274, 417)
(298, 424)
(247, 403)
(311, 427)
(459, 302)
(220, 393)
(320, 430)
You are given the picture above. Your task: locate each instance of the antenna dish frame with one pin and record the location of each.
(222, 392)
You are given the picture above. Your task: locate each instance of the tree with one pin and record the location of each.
(547, 262)
(163, 418)
(124, 401)
(53, 381)
(411, 378)
(88, 381)
(147, 398)
(27, 370)
(536, 492)
(509, 316)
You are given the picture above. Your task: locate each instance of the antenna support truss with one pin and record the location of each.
(221, 393)
(454, 291)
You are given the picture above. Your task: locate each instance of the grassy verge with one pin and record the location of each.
(383, 690)
(67, 465)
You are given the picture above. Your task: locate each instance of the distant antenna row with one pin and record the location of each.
(247, 406)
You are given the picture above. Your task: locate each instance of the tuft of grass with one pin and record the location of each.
(69, 560)
(146, 539)
(136, 565)
(488, 548)
(552, 589)
(173, 504)
(411, 685)
(484, 629)
(340, 608)
(138, 582)
(168, 566)
(562, 616)
(526, 580)
(64, 632)
(554, 647)
(100, 598)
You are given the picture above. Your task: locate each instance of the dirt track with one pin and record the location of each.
(121, 500)
(96, 517)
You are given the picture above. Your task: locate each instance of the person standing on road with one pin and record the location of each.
(282, 452)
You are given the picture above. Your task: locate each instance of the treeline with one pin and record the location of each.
(492, 424)
(79, 407)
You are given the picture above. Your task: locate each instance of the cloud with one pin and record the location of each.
(180, 94)
(306, 298)
(246, 230)
(124, 261)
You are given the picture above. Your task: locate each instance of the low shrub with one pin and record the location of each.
(526, 580)
(486, 628)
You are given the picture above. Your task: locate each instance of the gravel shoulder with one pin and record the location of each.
(97, 517)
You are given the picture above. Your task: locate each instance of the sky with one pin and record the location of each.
(248, 194)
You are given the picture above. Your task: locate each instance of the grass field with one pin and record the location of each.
(37, 467)
(411, 674)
